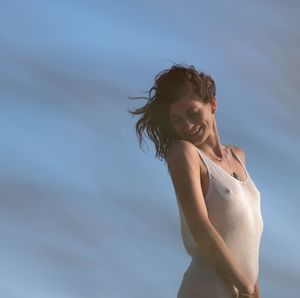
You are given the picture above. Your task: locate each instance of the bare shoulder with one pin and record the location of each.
(239, 152)
(181, 150)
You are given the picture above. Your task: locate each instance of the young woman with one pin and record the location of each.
(219, 204)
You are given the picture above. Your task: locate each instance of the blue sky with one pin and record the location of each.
(84, 212)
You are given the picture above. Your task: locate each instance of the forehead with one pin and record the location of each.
(185, 103)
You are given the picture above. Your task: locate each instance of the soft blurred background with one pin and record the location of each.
(84, 212)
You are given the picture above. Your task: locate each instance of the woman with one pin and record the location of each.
(219, 204)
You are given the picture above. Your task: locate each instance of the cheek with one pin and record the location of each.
(174, 127)
(178, 130)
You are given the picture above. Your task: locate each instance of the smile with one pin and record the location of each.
(196, 132)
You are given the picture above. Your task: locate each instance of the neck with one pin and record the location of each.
(217, 152)
(213, 146)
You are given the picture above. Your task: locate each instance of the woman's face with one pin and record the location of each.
(191, 119)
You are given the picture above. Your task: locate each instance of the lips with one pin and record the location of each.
(195, 132)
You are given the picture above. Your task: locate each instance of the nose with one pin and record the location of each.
(187, 126)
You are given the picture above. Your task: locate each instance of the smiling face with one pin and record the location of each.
(192, 119)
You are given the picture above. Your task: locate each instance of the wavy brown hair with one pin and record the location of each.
(170, 85)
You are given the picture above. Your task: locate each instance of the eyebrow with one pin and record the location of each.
(190, 108)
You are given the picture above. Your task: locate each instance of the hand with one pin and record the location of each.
(247, 295)
(253, 295)
(248, 292)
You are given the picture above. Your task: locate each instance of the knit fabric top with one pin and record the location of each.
(233, 208)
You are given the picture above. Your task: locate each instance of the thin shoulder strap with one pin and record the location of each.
(234, 154)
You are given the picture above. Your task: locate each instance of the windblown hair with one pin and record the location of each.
(170, 85)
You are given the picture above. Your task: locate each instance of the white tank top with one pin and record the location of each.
(234, 210)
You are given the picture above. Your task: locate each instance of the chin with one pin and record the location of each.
(197, 142)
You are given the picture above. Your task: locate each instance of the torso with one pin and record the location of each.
(233, 209)
(235, 166)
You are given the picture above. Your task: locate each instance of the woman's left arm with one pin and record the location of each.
(256, 288)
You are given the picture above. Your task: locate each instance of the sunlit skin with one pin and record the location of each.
(189, 113)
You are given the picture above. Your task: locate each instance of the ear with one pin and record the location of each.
(213, 104)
